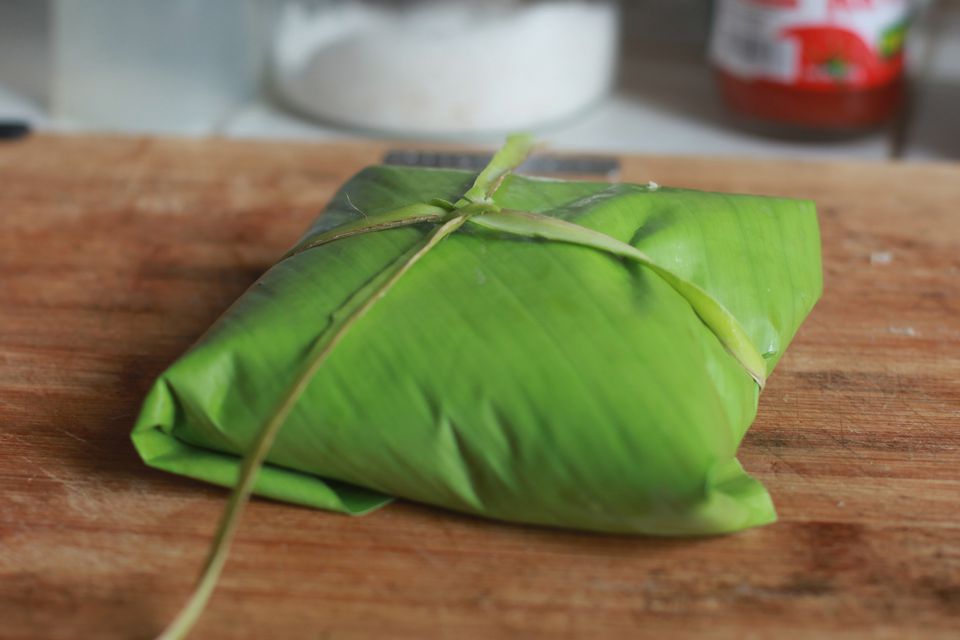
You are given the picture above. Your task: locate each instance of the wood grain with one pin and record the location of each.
(116, 253)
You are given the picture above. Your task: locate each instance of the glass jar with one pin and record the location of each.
(176, 66)
(444, 67)
(828, 65)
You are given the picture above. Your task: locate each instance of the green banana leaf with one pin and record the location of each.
(572, 354)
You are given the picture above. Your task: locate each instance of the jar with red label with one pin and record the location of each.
(819, 64)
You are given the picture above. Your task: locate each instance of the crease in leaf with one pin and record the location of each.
(714, 315)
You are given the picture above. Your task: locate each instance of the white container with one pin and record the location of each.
(444, 67)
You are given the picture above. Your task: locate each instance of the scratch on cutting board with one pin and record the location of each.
(32, 464)
(43, 470)
(903, 331)
(817, 488)
(74, 436)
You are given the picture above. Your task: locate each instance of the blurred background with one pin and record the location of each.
(643, 76)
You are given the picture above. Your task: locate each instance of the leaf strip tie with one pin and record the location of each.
(477, 202)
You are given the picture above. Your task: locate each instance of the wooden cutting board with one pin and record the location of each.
(116, 253)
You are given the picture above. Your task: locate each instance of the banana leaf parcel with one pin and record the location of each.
(572, 354)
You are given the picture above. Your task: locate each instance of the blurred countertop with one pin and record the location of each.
(665, 102)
